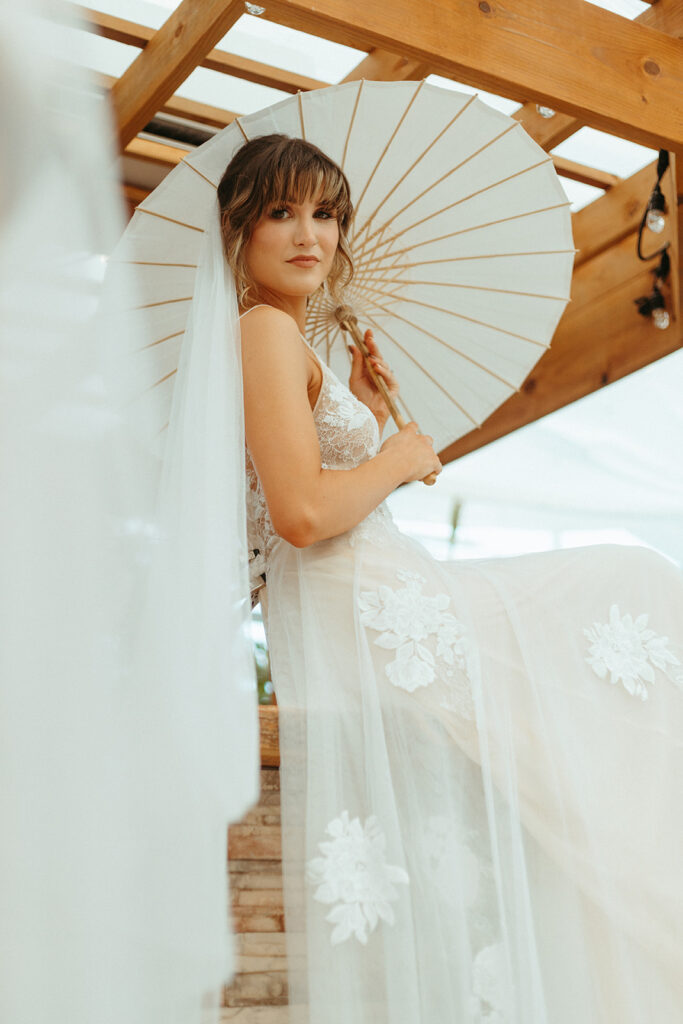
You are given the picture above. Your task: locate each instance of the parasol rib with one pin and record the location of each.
(479, 227)
(160, 381)
(427, 374)
(460, 316)
(475, 287)
(443, 177)
(186, 163)
(171, 220)
(451, 348)
(168, 337)
(301, 115)
(353, 118)
(463, 199)
(416, 162)
(386, 148)
(155, 263)
(164, 302)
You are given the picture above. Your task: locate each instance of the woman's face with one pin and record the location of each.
(284, 233)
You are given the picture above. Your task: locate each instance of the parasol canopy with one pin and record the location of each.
(461, 239)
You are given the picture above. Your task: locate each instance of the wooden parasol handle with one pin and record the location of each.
(348, 321)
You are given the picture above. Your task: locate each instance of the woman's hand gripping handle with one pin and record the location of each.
(416, 453)
(417, 448)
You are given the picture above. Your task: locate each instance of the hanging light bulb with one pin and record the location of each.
(545, 111)
(655, 219)
(654, 305)
(660, 318)
(254, 9)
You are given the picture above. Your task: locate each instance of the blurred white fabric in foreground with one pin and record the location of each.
(118, 782)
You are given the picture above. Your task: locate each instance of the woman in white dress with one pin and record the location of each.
(481, 762)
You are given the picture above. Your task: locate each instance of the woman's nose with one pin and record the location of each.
(305, 231)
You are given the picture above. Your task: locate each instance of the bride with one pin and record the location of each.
(481, 762)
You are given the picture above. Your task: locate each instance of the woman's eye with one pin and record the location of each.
(283, 209)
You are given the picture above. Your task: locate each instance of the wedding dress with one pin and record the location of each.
(481, 771)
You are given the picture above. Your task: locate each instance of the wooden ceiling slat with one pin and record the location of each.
(178, 106)
(164, 154)
(169, 57)
(123, 31)
(156, 152)
(617, 75)
(383, 66)
(665, 16)
(587, 175)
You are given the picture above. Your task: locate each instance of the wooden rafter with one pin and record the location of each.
(665, 16)
(121, 30)
(171, 55)
(169, 156)
(603, 340)
(178, 106)
(513, 50)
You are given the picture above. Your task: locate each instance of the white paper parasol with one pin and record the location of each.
(461, 239)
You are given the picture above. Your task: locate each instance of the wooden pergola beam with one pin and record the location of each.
(664, 16)
(168, 58)
(178, 106)
(122, 30)
(601, 340)
(162, 153)
(533, 50)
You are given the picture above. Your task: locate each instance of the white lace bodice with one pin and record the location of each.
(348, 435)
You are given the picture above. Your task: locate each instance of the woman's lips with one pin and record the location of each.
(301, 261)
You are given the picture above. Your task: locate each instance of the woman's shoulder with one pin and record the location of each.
(264, 314)
(270, 335)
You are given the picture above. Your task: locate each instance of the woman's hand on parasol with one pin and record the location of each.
(362, 385)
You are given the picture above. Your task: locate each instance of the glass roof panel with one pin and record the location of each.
(501, 103)
(605, 152)
(227, 92)
(626, 8)
(290, 49)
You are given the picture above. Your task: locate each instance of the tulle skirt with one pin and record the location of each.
(481, 781)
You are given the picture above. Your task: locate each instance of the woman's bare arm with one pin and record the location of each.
(306, 503)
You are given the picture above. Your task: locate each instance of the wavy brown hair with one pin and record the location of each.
(273, 170)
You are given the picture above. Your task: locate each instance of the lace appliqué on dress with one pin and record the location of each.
(453, 867)
(491, 1000)
(378, 528)
(630, 652)
(406, 617)
(353, 874)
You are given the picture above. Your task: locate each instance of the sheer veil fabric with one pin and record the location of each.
(128, 724)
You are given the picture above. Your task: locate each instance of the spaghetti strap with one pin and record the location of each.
(252, 307)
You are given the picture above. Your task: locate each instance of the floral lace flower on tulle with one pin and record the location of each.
(353, 874)
(449, 857)
(629, 652)
(491, 1000)
(405, 618)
